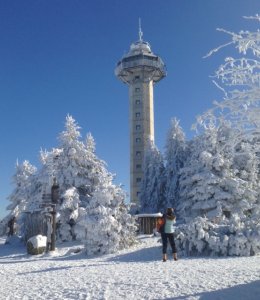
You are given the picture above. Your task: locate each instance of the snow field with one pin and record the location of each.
(137, 273)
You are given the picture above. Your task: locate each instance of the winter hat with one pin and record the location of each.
(169, 211)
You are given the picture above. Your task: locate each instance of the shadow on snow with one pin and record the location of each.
(141, 255)
(247, 291)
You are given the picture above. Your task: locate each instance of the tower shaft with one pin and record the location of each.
(141, 129)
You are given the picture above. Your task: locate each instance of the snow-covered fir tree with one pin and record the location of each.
(195, 180)
(78, 172)
(228, 166)
(175, 156)
(109, 227)
(22, 182)
(78, 167)
(239, 78)
(152, 197)
(81, 176)
(215, 172)
(220, 200)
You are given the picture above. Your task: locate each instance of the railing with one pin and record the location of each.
(140, 61)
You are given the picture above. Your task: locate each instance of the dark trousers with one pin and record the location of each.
(165, 238)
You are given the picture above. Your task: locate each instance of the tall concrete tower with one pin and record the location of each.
(140, 68)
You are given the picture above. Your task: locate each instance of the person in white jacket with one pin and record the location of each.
(167, 234)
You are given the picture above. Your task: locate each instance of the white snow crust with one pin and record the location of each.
(38, 241)
(137, 273)
(157, 215)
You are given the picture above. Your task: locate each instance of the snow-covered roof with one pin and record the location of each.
(157, 215)
(140, 47)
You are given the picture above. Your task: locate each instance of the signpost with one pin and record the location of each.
(50, 204)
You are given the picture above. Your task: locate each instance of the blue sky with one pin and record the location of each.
(58, 58)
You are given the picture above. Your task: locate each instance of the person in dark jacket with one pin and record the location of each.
(167, 234)
(10, 225)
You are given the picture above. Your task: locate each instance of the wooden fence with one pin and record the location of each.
(34, 223)
(147, 222)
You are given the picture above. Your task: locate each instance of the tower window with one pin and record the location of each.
(138, 153)
(138, 179)
(138, 127)
(137, 77)
(137, 90)
(138, 140)
(137, 115)
(138, 166)
(137, 102)
(138, 194)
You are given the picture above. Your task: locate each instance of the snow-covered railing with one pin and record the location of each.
(157, 65)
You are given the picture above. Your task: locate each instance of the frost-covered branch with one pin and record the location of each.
(239, 80)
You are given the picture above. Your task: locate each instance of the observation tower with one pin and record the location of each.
(140, 68)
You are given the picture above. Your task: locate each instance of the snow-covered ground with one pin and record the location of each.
(138, 273)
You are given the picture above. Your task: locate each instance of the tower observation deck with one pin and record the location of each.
(140, 68)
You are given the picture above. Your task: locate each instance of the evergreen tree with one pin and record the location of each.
(175, 156)
(77, 169)
(21, 180)
(86, 190)
(226, 173)
(240, 81)
(152, 193)
(109, 227)
(200, 178)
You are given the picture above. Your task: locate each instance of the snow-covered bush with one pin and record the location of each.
(101, 225)
(221, 237)
(128, 227)
(68, 214)
(107, 224)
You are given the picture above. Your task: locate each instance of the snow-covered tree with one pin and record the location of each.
(226, 173)
(175, 156)
(109, 227)
(127, 221)
(22, 182)
(228, 236)
(239, 79)
(152, 198)
(68, 215)
(19, 198)
(197, 179)
(78, 172)
(218, 174)
(86, 191)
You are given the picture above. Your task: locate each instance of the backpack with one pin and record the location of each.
(160, 224)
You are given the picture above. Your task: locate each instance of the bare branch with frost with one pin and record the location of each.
(256, 17)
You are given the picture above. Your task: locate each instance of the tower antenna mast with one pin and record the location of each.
(140, 31)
